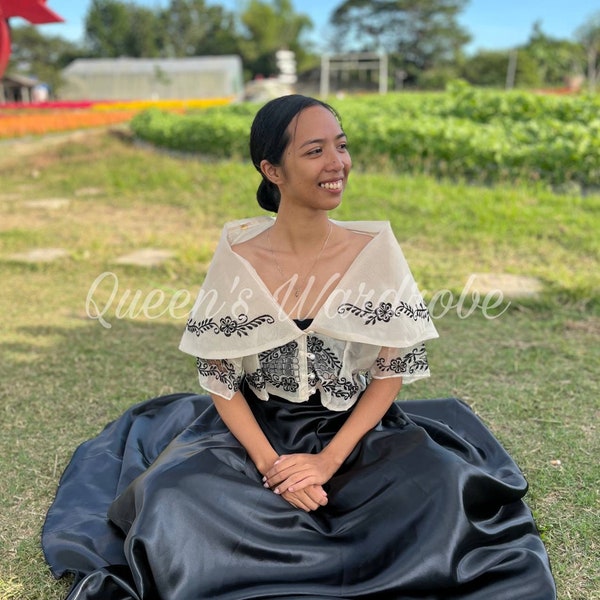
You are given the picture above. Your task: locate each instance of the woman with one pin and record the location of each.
(300, 477)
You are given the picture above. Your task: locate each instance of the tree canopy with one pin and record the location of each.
(115, 28)
(423, 38)
(191, 28)
(185, 28)
(40, 56)
(268, 27)
(194, 28)
(490, 68)
(556, 60)
(589, 37)
(421, 33)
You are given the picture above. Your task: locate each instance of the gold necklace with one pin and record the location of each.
(298, 288)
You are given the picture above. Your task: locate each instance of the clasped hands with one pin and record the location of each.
(299, 479)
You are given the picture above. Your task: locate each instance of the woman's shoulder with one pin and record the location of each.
(352, 242)
(252, 248)
(365, 227)
(244, 236)
(359, 234)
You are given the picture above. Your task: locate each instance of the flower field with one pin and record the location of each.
(17, 123)
(17, 120)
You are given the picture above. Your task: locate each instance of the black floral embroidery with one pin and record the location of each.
(227, 325)
(325, 360)
(256, 379)
(415, 360)
(289, 384)
(222, 370)
(340, 387)
(324, 369)
(279, 368)
(385, 312)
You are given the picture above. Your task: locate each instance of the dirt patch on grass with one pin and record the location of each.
(589, 325)
(84, 219)
(145, 257)
(91, 219)
(17, 148)
(511, 286)
(40, 255)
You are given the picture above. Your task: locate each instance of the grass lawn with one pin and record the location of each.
(531, 372)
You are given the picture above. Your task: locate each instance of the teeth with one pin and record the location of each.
(337, 185)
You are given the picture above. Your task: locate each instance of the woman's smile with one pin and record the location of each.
(333, 186)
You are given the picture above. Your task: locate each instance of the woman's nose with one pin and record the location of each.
(335, 161)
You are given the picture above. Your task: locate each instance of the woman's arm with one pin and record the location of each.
(240, 420)
(293, 472)
(369, 410)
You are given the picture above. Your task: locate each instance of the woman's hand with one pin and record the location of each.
(296, 472)
(307, 499)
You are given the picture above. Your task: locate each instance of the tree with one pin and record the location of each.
(490, 67)
(190, 28)
(40, 57)
(421, 33)
(270, 27)
(556, 60)
(589, 36)
(106, 27)
(115, 28)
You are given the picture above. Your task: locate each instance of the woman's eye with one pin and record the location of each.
(315, 151)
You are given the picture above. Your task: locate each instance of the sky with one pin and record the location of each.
(493, 24)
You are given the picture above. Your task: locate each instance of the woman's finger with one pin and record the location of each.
(298, 480)
(292, 470)
(317, 494)
(296, 501)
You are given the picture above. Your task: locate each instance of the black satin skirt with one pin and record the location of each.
(166, 505)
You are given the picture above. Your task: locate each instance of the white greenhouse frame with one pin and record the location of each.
(353, 61)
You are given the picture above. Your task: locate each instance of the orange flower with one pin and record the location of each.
(19, 120)
(24, 122)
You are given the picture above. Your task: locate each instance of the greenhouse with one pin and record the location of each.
(153, 79)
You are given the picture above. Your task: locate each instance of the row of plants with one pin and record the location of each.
(484, 105)
(464, 133)
(20, 123)
(17, 120)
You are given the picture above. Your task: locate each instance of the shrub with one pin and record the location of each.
(473, 134)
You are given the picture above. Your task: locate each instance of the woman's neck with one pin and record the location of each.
(299, 235)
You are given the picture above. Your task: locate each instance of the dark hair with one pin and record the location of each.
(269, 138)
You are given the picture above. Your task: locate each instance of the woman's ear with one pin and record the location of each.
(271, 172)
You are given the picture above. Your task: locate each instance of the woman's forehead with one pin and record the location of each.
(314, 122)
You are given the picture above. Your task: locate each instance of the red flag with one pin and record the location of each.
(4, 44)
(34, 11)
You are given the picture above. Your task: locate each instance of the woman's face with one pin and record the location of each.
(316, 163)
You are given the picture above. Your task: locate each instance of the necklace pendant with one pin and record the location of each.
(302, 282)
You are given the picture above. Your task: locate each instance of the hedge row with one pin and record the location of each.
(464, 133)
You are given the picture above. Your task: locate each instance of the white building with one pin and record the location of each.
(153, 79)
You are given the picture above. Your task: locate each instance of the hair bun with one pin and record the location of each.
(268, 196)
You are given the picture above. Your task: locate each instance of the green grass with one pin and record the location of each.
(531, 374)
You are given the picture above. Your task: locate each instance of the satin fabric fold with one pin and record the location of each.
(165, 504)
